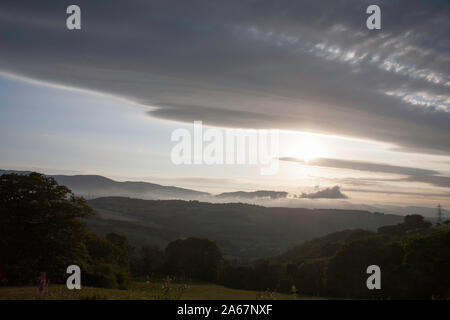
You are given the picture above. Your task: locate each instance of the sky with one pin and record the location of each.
(364, 115)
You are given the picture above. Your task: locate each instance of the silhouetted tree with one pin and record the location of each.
(194, 258)
(40, 229)
(109, 261)
(411, 223)
(150, 260)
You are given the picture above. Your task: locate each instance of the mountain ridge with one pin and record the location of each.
(95, 186)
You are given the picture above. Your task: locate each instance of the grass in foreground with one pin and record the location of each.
(144, 291)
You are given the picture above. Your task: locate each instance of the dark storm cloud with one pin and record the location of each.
(413, 174)
(302, 65)
(328, 193)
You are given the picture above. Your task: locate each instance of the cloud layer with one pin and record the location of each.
(302, 65)
(412, 174)
(260, 194)
(327, 193)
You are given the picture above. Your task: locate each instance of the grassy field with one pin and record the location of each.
(144, 291)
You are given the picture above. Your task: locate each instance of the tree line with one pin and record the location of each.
(414, 258)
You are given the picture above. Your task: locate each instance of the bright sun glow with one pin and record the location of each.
(308, 148)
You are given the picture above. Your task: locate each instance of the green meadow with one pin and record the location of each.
(145, 291)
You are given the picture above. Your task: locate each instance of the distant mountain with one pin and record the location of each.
(261, 194)
(242, 231)
(426, 212)
(94, 186)
(285, 199)
(14, 171)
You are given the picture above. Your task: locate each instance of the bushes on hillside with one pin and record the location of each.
(414, 265)
(109, 263)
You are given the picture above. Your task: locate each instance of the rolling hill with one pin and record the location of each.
(94, 186)
(242, 231)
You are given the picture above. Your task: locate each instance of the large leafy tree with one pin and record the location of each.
(109, 261)
(148, 261)
(40, 228)
(194, 258)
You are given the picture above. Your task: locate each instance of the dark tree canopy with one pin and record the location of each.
(40, 229)
(411, 223)
(194, 258)
(148, 261)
